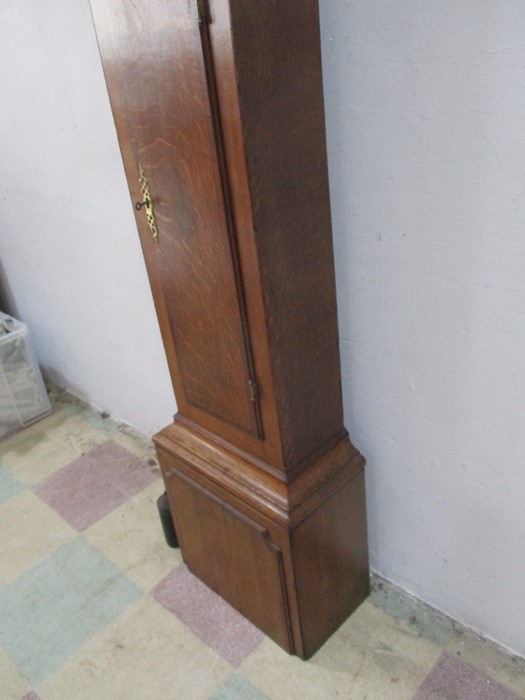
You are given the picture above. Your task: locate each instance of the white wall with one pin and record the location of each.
(426, 125)
(73, 269)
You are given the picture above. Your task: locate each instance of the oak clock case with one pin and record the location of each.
(219, 112)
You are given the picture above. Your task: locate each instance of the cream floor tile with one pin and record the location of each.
(12, 684)
(483, 655)
(371, 656)
(45, 447)
(141, 447)
(394, 658)
(421, 618)
(279, 676)
(146, 653)
(99, 420)
(30, 530)
(131, 536)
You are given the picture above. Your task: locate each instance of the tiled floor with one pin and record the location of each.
(93, 604)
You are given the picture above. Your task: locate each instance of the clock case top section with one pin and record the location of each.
(222, 104)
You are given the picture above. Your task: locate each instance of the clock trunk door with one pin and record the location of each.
(161, 87)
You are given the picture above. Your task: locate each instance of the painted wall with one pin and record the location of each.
(426, 129)
(426, 126)
(72, 265)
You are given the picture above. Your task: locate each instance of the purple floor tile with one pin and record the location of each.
(93, 485)
(452, 679)
(208, 616)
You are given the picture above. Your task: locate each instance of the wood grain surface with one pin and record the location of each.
(158, 69)
(226, 117)
(278, 65)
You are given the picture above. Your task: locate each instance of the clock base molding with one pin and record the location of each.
(291, 557)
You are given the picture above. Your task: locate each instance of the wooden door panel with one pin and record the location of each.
(233, 555)
(152, 48)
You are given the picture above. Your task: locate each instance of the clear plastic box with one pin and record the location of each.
(23, 396)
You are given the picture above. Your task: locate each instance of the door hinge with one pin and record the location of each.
(202, 12)
(252, 388)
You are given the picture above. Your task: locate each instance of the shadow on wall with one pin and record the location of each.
(7, 302)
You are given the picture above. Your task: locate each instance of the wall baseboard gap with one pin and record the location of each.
(433, 623)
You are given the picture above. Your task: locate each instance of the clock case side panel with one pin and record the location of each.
(277, 58)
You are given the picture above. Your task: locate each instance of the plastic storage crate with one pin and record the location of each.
(23, 396)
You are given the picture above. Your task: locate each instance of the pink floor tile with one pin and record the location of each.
(451, 678)
(208, 616)
(93, 485)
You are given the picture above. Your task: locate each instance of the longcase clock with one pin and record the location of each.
(219, 111)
